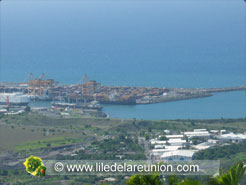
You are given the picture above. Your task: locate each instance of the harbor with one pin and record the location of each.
(87, 97)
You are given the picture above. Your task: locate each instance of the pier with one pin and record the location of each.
(91, 90)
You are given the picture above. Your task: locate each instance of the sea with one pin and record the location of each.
(158, 43)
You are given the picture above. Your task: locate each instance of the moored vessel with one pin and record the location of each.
(14, 99)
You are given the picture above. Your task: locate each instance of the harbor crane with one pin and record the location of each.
(36, 86)
(88, 87)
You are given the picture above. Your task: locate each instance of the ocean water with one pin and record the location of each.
(132, 43)
(226, 105)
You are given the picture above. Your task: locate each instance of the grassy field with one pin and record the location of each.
(33, 131)
(10, 136)
(47, 142)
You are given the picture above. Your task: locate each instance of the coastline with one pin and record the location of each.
(113, 95)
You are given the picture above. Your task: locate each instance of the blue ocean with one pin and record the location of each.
(132, 43)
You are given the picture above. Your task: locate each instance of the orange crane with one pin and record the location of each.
(38, 84)
(87, 88)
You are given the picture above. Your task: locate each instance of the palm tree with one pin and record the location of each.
(145, 180)
(231, 177)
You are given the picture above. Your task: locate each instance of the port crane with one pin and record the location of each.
(36, 86)
(88, 88)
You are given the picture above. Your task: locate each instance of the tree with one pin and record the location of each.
(231, 177)
(147, 137)
(190, 182)
(4, 173)
(144, 180)
(122, 137)
(163, 138)
(173, 180)
(149, 129)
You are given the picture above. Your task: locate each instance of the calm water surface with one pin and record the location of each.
(135, 43)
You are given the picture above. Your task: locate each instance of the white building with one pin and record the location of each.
(231, 137)
(2, 111)
(159, 146)
(198, 133)
(174, 136)
(156, 142)
(159, 152)
(214, 131)
(200, 130)
(176, 142)
(205, 145)
(178, 155)
(167, 131)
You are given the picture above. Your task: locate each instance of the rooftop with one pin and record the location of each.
(186, 153)
(174, 136)
(232, 136)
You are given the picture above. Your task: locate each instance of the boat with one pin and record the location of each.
(17, 98)
(40, 97)
(91, 105)
(60, 105)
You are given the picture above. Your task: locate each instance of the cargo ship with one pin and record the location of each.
(91, 105)
(14, 99)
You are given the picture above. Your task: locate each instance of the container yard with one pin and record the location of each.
(89, 94)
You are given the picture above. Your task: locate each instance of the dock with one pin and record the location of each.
(91, 90)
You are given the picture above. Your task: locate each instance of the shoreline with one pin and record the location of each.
(112, 95)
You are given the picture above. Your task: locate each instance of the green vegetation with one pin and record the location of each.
(53, 141)
(222, 152)
(228, 154)
(197, 140)
(231, 177)
(120, 147)
(163, 138)
(35, 134)
(144, 180)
